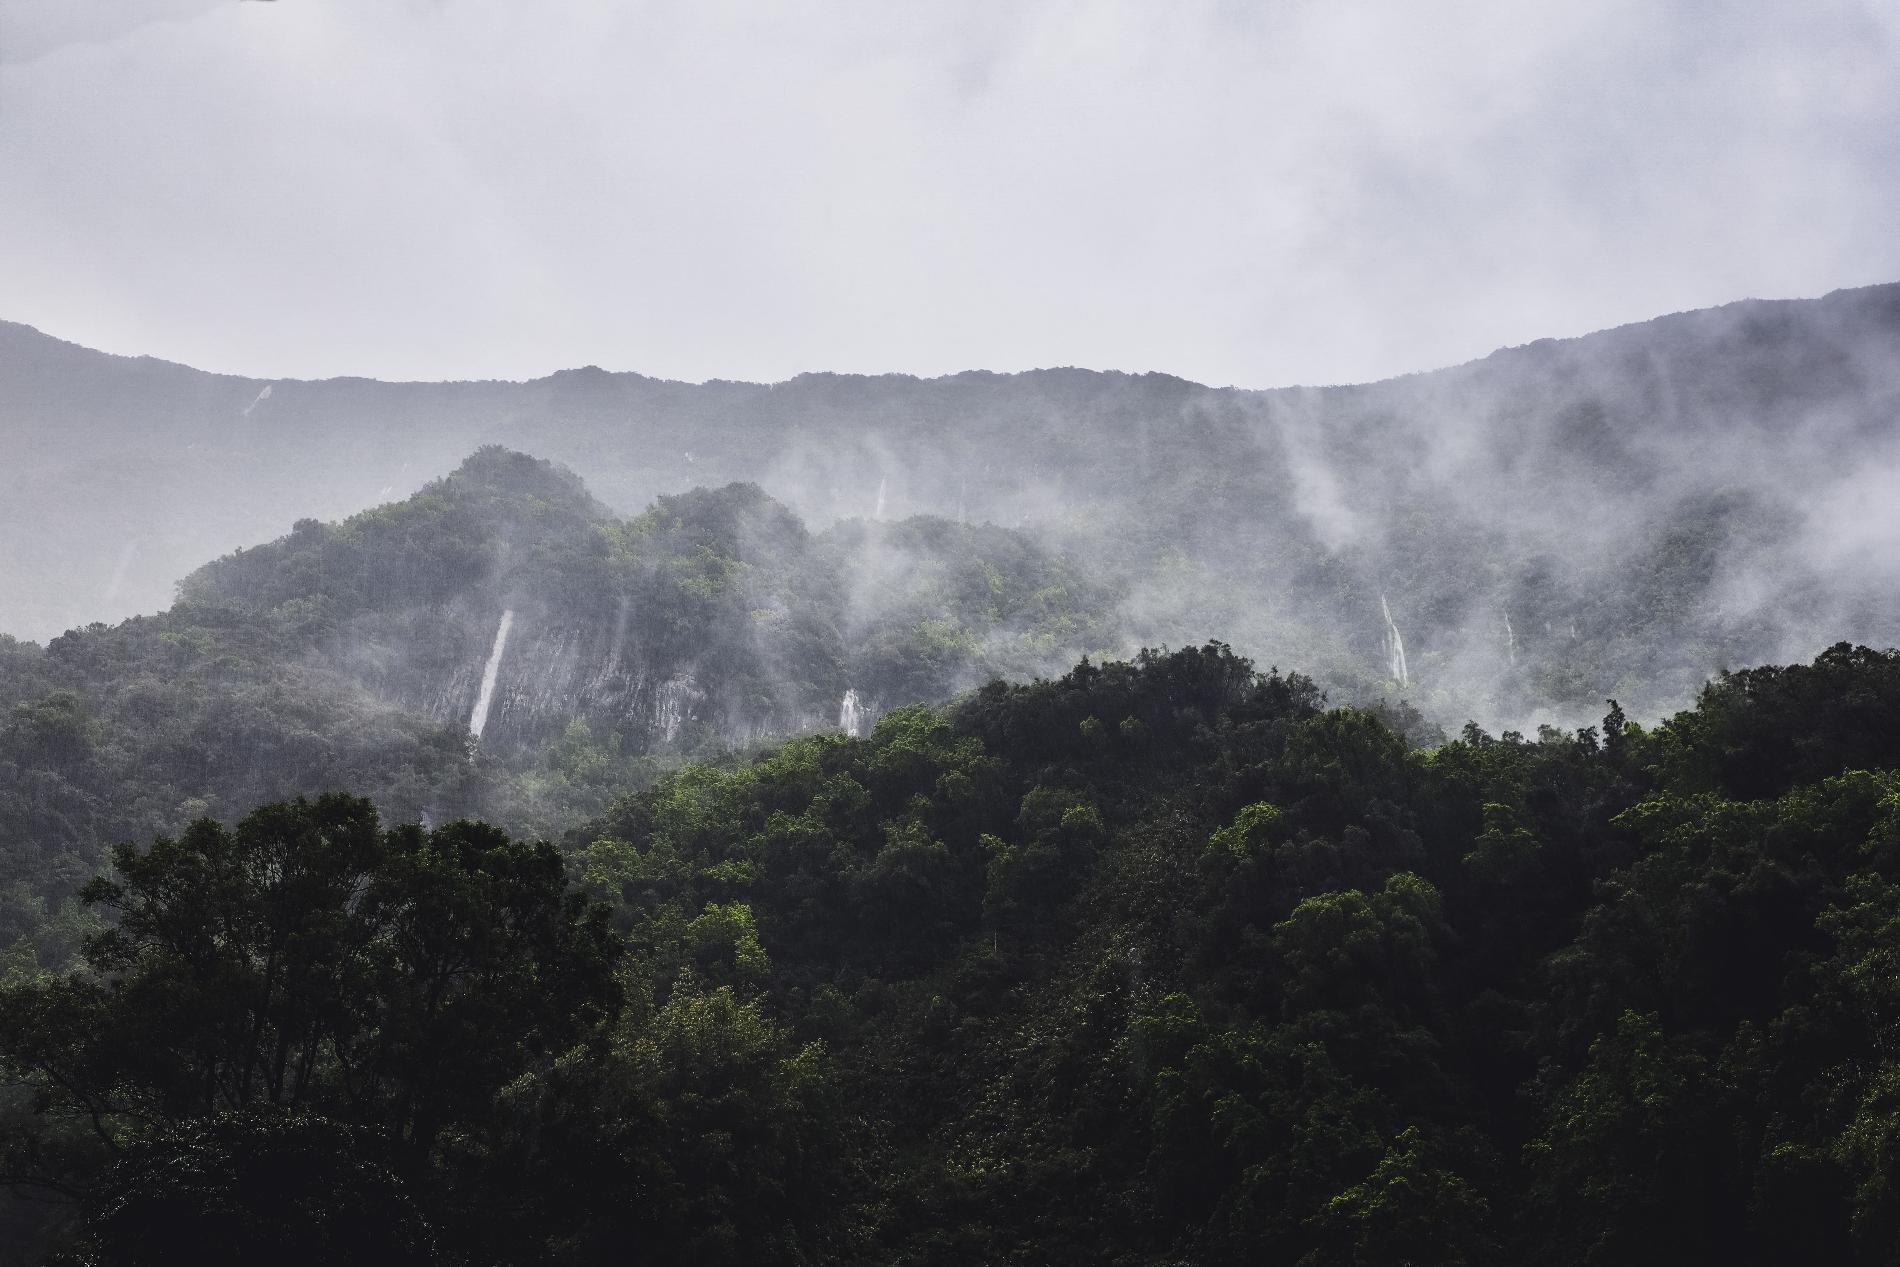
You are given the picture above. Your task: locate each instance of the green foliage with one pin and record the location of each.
(1632, 1153)
(1406, 1211)
(246, 1188)
(1236, 976)
(307, 962)
(347, 656)
(731, 1122)
(1224, 978)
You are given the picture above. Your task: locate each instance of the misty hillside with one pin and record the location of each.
(716, 616)
(1514, 539)
(586, 653)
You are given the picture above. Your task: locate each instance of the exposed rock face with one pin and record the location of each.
(674, 703)
(554, 670)
(503, 597)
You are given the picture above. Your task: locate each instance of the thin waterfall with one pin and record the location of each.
(620, 620)
(852, 714)
(620, 635)
(478, 720)
(120, 571)
(1510, 640)
(1394, 648)
(673, 704)
(881, 484)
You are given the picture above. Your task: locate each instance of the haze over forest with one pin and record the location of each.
(1620, 514)
(1176, 635)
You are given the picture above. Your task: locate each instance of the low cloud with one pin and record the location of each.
(1299, 192)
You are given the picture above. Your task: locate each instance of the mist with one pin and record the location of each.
(822, 250)
(1239, 194)
(1075, 631)
(1616, 516)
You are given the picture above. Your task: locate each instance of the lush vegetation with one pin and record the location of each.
(1162, 962)
(347, 656)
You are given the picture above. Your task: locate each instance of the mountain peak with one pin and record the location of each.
(509, 473)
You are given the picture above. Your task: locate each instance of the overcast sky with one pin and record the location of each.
(1251, 193)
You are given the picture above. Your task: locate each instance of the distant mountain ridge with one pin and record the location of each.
(1517, 537)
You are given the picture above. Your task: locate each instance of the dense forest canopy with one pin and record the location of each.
(1161, 962)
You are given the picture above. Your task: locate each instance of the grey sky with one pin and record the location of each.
(1247, 193)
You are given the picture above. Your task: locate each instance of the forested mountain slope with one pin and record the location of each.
(501, 644)
(1516, 538)
(1158, 963)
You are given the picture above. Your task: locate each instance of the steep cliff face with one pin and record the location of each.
(553, 670)
(505, 600)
